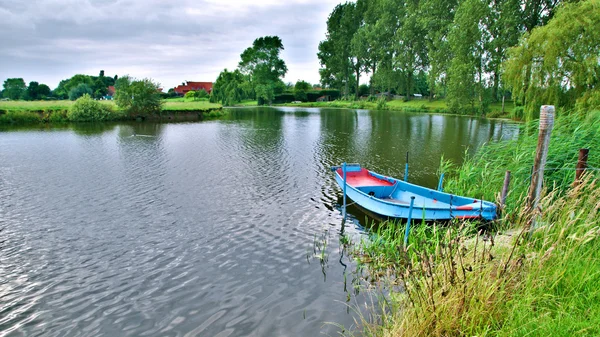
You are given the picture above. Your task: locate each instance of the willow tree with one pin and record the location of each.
(559, 63)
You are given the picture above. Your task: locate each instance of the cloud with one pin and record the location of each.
(169, 41)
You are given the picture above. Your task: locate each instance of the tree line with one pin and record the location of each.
(471, 52)
(71, 88)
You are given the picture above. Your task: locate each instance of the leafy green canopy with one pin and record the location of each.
(264, 66)
(258, 75)
(14, 88)
(97, 84)
(559, 63)
(301, 89)
(230, 87)
(457, 47)
(138, 97)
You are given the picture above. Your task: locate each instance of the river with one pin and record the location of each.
(199, 229)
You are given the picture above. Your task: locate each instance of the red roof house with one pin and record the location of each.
(195, 86)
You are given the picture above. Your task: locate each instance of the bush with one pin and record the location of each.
(138, 97)
(86, 109)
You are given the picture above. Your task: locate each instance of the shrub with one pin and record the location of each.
(138, 97)
(86, 109)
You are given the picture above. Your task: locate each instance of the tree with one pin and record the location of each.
(465, 75)
(138, 97)
(80, 90)
(301, 89)
(262, 64)
(14, 88)
(335, 52)
(43, 91)
(231, 87)
(558, 63)
(36, 91)
(437, 18)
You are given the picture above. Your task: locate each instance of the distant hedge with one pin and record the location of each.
(333, 94)
(284, 98)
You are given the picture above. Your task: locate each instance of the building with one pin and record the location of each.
(110, 92)
(193, 86)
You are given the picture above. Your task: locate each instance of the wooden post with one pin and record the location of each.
(505, 189)
(581, 165)
(541, 154)
(408, 220)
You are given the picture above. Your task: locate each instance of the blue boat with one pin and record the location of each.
(390, 197)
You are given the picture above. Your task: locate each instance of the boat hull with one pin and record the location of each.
(390, 197)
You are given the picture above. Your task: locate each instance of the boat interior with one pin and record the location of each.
(391, 190)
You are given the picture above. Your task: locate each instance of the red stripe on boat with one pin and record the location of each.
(465, 208)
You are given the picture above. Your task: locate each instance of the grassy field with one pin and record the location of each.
(41, 105)
(34, 112)
(170, 104)
(247, 103)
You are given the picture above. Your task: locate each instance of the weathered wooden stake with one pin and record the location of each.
(408, 220)
(546, 124)
(581, 165)
(505, 190)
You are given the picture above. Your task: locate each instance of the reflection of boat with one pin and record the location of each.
(391, 197)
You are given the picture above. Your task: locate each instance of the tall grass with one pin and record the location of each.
(483, 174)
(455, 284)
(460, 281)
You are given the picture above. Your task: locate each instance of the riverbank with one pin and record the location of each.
(416, 105)
(469, 279)
(33, 112)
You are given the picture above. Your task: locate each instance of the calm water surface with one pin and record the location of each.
(198, 229)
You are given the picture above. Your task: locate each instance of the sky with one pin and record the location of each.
(166, 40)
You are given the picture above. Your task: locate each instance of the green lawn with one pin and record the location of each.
(169, 105)
(40, 105)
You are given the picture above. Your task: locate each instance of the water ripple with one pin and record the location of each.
(199, 229)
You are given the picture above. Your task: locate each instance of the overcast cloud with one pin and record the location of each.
(169, 41)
